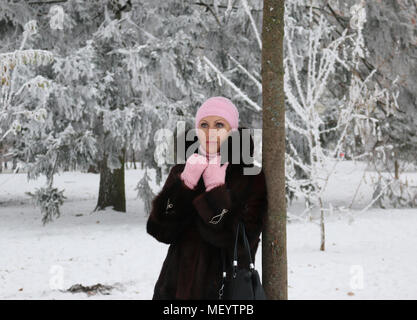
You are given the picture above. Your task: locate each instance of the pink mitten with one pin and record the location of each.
(214, 175)
(194, 167)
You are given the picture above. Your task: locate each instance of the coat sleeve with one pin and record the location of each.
(170, 210)
(220, 229)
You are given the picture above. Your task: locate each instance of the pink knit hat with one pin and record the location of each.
(219, 106)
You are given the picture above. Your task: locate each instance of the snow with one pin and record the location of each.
(381, 243)
(371, 258)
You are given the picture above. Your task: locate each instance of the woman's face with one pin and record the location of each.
(212, 131)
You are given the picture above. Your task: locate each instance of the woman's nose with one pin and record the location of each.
(212, 134)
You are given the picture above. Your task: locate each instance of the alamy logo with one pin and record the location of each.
(166, 153)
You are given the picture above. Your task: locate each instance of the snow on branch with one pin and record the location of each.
(232, 85)
(9, 60)
(246, 71)
(252, 21)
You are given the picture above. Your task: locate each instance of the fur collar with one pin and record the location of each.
(231, 157)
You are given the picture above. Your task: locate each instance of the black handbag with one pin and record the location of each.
(244, 283)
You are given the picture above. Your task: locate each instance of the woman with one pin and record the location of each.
(198, 208)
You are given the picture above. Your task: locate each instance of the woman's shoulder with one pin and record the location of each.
(176, 170)
(178, 167)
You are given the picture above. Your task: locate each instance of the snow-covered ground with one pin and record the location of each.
(372, 256)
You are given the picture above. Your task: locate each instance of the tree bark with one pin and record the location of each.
(134, 159)
(396, 169)
(112, 186)
(274, 247)
(322, 231)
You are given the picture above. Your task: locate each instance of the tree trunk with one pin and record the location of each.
(134, 159)
(397, 169)
(322, 231)
(112, 186)
(274, 246)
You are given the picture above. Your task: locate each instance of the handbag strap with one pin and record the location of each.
(224, 274)
(223, 254)
(241, 226)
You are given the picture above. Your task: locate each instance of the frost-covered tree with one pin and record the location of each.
(53, 139)
(390, 39)
(307, 99)
(23, 113)
(145, 191)
(20, 86)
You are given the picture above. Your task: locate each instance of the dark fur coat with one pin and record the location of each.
(181, 217)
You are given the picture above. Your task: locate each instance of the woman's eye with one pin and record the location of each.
(203, 125)
(219, 125)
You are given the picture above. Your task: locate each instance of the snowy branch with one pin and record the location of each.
(252, 21)
(246, 71)
(232, 85)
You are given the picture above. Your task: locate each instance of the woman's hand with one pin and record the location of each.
(193, 169)
(214, 175)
